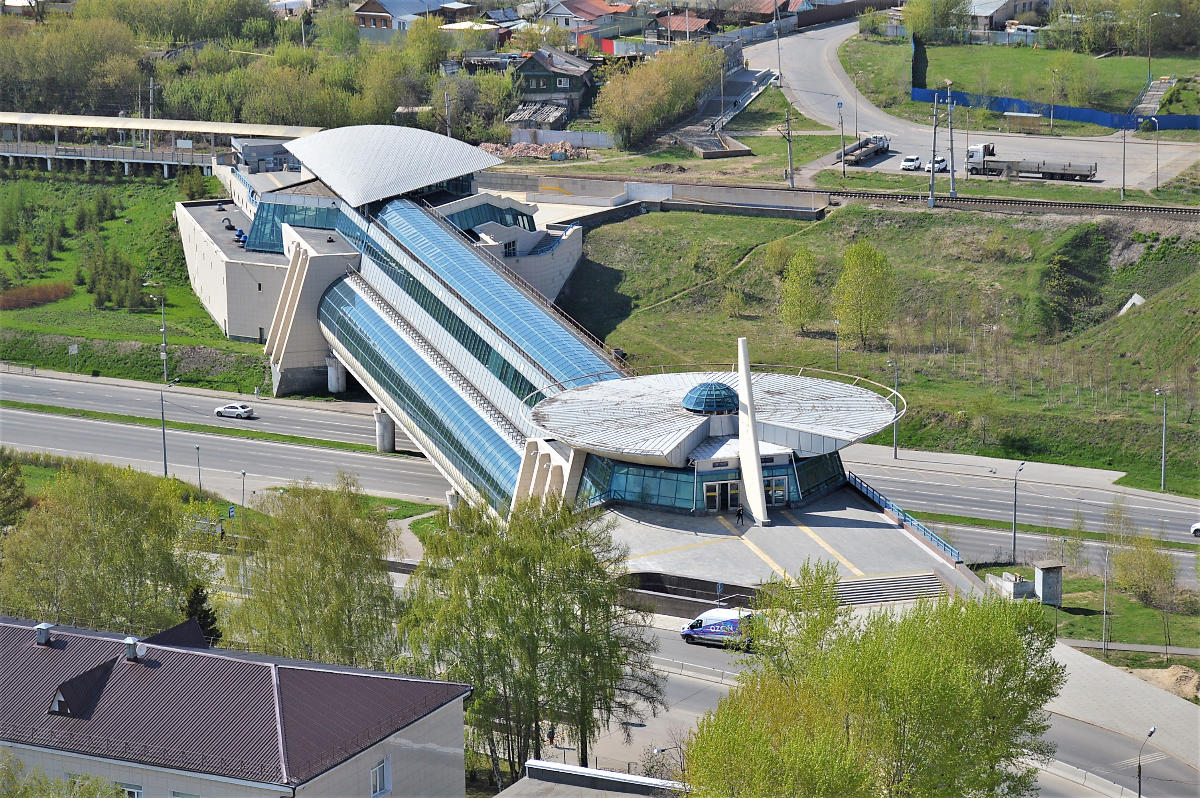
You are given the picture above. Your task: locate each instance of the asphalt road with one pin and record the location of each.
(221, 458)
(189, 405)
(936, 488)
(814, 78)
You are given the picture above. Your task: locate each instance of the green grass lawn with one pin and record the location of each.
(1184, 190)
(679, 164)
(1108, 84)
(663, 302)
(1129, 620)
(766, 112)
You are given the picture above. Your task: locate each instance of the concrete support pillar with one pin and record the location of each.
(49, 164)
(127, 168)
(541, 476)
(335, 375)
(166, 170)
(56, 137)
(385, 431)
(555, 486)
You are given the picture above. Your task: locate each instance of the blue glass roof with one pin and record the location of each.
(712, 398)
(532, 328)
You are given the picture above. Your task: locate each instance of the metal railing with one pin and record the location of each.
(97, 153)
(903, 517)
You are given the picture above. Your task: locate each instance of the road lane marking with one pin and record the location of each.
(762, 555)
(820, 542)
(678, 548)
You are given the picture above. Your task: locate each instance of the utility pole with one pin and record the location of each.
(950, 125)
(1124, 123)
(842, 126)
(787, 106)
(1104, 610)
(933, 154)
(1162, 479)
(448, 114)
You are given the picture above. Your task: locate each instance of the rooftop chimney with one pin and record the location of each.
(131, 647)
(43, 633)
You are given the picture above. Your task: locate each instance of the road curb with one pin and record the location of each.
(1084, 778)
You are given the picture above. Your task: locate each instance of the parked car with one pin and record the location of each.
(235, 410)
(911, 163)
(938, 164)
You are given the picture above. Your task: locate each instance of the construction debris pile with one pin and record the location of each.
(558, 151)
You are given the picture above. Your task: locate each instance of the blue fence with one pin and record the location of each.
(1069, 113)
(887, 504)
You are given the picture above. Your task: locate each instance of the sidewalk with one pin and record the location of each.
(1181, 651)
(1108, 697)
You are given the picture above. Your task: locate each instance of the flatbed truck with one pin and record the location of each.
(982, 160)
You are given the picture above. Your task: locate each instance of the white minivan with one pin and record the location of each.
(722, 626)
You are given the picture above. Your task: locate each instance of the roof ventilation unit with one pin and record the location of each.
(134, 650)
(43, 633)
(220, 207)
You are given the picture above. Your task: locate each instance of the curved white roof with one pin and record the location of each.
(366, 163)
(642, 419)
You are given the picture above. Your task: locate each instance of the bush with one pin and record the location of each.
(28, 296)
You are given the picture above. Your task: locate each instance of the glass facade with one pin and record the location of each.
(471, 218)
(475, 448)
(605, 479)
(266, 232)
(537, 334)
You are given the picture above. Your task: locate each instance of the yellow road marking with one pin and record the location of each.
(817, 539)
(677, 548)
(762, 555)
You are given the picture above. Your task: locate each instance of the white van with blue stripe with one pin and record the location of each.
(722, 626)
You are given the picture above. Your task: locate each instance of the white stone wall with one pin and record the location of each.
(155, 782)
(425, 761)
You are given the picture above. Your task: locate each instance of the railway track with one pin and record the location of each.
(1022, 204)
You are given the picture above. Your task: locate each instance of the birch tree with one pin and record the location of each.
(799, 301)
(865, 295)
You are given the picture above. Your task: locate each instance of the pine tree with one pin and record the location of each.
(198, 608)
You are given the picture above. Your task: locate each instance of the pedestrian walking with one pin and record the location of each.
(550, 734)
(255, 391)
(738, 515)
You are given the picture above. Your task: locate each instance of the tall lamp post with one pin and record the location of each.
(856, 93)
(933, 152)
(243, 488)
(1014, 539)
(895, 364)
(842, 126)
(199, 484)
(1162, 478)
(162, 411)
(837, 345)
(678, 748)
(1149, 734)
(1124, 125)
(787, 107)
(1154, 119)
(162, 306)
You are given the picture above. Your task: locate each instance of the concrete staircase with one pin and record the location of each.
(886, 589)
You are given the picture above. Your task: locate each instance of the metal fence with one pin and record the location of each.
(1061, 112)
(903, 517)
(120, 154)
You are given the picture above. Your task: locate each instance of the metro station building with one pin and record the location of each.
(377, 260)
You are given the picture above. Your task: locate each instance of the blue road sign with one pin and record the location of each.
(232, 510)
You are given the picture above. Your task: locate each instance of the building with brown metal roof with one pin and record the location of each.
(169, 716)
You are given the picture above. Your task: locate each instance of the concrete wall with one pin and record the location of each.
(155, 782)
(426, 761)
(549, 271)
(240, 295)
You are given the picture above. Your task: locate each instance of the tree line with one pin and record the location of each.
(527, 609)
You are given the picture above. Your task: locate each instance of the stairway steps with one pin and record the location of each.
(878, 590)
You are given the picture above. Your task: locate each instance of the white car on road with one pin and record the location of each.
(911, 163)
(236, 410)
(938, 164)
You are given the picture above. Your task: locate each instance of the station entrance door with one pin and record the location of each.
(721, 496)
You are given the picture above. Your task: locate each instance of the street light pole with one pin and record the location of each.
(1162, 479)
(842, 125)
(1154, 119)
(856, 93)
(787, 106)
(1014, 535)
(199, 484)
(1148, 736)
(1124, 124)
(837, 344)
(243, 489)
(895, 364)
(162, 305)
(162, 412)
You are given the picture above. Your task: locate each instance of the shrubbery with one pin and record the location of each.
(28, 296)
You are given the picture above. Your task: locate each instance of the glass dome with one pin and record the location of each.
(711, 398)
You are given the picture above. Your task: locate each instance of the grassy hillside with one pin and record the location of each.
(112, 339)
(981, 370)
